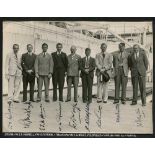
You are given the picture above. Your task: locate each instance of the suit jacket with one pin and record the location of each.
(116, 59)
(28, 63)
(64, 60)
(13, 64)
(105, 62)
(73, 65)
(91, 66)
(44, 65)
(140, 65)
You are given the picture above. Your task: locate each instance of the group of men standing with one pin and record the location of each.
(58, 65)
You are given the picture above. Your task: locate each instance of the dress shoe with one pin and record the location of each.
(9, 102)
(133, 103)
(99, 101)
(75, 100)
(32, 101)
(54, 100)
(16, 101)
(115, 102)
(67, 100)
(104, 101)
(47, 100)
(84, 101)
(123, 102)
(143, 104)
(38, 100)
(61, 100)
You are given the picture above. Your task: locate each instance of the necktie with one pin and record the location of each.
(121, 60)
(103, 55)
(87, 62)
(43, 54)
(136, 55)
(58, 53)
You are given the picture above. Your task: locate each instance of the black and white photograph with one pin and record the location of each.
(77, 78)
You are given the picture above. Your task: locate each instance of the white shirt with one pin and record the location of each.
(137, 54)
(44, 52)
(58, 52)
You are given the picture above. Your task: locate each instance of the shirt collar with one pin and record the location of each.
(29, 53)
(88, 57)
(43, 53)
(58, 52)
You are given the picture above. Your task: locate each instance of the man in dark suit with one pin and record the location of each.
(60, 69)
(73, 73)
(44, 70)
(87, 67)
(138, 63)
(121, 70)
(28, 60)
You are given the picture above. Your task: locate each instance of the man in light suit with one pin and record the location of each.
(103, 63)
(121, 69)
(28, 60)
(44, 70)
(13, 73)
(73, 73)
(87, 67)
(138, 63)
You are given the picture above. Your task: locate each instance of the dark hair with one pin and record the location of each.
(15, 45)
(103, 44)
(44, 44)
(58, 44)
(29, 45)
(87, 49)
(123, 44)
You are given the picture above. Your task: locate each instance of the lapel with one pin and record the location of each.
(140, 54)
(133, 57)
(56, 56)
(101, 57)
(119, 55)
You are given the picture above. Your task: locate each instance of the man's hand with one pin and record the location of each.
(7, 77)
(29, 71)
(102, 70)
(49, 75)
(87, 71)
(37, 76)
(65, 73)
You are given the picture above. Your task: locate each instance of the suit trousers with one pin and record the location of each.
(31, 81)
(142, 86)
(102, 90)
(120, 81)
(72, 80)
(87, 83)
(46, 80)
(14, 87)
(58, 80)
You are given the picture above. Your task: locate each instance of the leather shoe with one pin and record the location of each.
(115, 102)
(123, 102)
(67, 100)
(32, 101)
(38, 100)
(133, 103)
(104, 101)
(47, 100)
(16, 101)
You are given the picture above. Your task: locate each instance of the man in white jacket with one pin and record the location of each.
(13, 73)
(104, 63)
